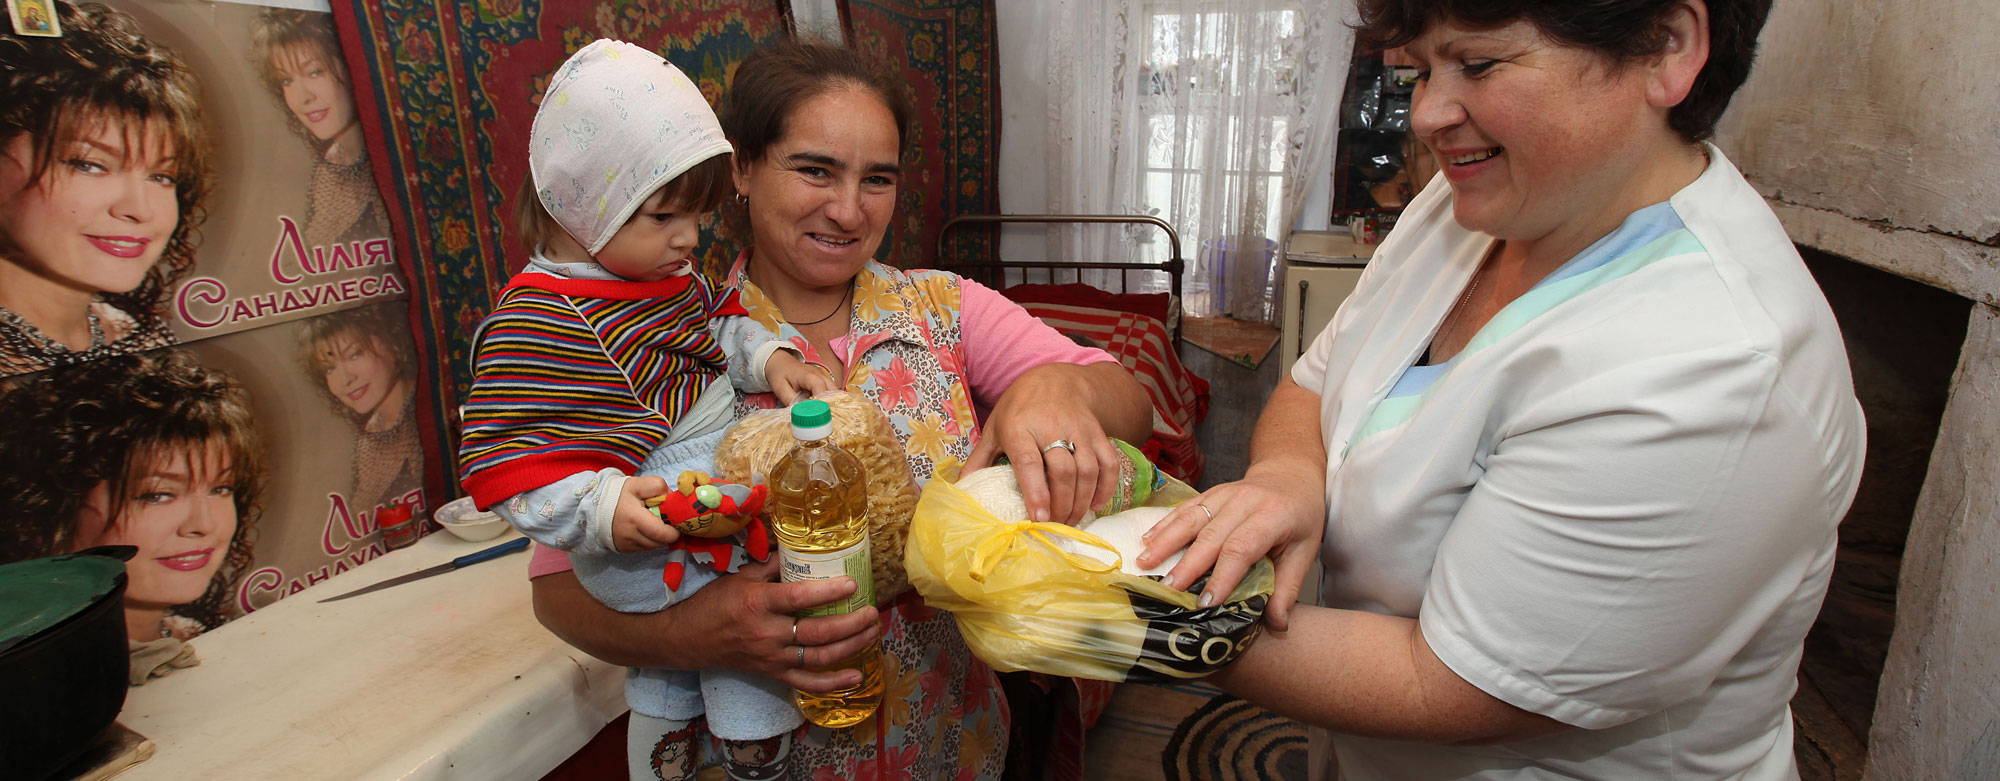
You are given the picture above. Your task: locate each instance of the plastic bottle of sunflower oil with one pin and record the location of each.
(819, 512)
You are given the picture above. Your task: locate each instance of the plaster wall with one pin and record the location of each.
(1879, 111)
(1936, 716)
(1871, 128)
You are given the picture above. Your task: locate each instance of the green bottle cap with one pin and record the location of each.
(811, 413)
(811, 419)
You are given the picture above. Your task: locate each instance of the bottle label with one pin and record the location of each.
(852, 561)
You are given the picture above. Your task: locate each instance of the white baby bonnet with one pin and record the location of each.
(616, 123)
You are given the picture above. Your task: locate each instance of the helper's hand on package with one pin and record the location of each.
(634, 526)
(1231, 526)
(793, 380)
(1278, 510)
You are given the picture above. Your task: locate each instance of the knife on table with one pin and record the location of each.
(511, 546)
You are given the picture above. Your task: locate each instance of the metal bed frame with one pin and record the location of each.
(993, 272)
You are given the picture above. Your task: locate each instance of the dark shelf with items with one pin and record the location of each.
(1380, 165)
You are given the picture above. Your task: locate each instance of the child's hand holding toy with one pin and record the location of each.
(635, 526)
(706, 510)
(705, 507)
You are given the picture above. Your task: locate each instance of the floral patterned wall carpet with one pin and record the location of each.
(447, 90)
(949, 56)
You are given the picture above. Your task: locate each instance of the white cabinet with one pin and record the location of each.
(1320, 270)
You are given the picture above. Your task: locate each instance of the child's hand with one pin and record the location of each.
(634, 526)
(794, 380)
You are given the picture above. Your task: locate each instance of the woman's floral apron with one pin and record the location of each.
(943, 716)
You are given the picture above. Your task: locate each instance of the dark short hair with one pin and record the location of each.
(702, 188)
(774, 80)
(104, 70)
(1623, 30)
(75, 427)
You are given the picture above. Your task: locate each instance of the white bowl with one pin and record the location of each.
(460, 518)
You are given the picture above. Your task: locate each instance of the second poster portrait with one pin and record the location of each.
(204, 342)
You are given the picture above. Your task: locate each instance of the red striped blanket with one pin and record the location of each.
(1180, 399)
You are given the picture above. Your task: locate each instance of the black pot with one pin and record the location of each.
(64, 682)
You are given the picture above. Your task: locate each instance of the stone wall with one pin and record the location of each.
(1872, 128)
(1936, 715)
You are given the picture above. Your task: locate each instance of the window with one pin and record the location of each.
(1217, 107)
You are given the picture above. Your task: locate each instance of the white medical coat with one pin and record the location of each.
(1616, 506)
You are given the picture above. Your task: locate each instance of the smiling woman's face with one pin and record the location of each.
(822, 197)
(100, 216)
(1533, 135)
(179, 509)
(359, 370)
(313, 91)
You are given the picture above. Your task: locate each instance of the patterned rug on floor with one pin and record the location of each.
(1192, 732)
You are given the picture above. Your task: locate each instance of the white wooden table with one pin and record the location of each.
(444, 678)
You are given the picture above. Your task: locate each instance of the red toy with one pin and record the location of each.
(707, 511)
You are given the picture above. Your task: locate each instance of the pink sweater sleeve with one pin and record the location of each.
(1002, 341)
(547, 561)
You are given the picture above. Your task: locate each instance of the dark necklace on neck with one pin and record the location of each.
(837, 309)
(842, 307)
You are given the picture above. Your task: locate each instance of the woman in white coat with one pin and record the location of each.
(1585, 429)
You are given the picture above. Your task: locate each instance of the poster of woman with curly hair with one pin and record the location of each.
(104, 179)
(204, 340)
(151, 450)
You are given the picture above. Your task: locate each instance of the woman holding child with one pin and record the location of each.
(818, 135)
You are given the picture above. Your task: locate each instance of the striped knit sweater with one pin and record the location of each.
(574, 375)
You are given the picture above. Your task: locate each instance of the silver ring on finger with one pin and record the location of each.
(802, 655)
(1061, 443)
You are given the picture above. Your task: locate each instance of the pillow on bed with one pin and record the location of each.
(1153, 305)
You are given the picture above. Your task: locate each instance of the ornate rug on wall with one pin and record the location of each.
(948, 53)
(1192, 732)
(446, 92)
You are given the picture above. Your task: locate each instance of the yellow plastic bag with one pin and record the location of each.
(1025, 604)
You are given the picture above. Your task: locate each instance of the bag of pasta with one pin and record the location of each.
(752, 447)
(1069, 600)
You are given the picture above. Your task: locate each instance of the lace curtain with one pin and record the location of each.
(1210, 115)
